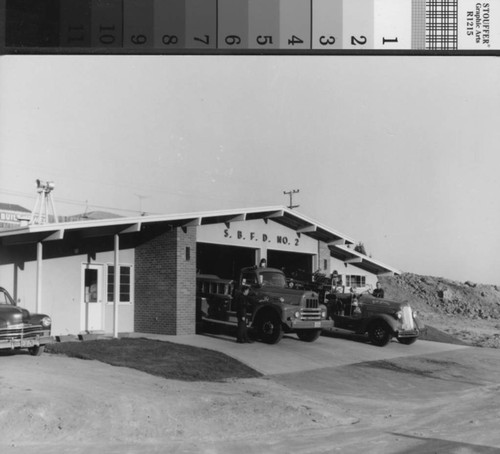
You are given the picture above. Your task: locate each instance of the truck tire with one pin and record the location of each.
(37, 350)
(269, 328)
(379, 333)
(407, 340)
(308, 335)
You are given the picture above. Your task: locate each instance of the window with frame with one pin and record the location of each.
(355, 280)
(125, 283)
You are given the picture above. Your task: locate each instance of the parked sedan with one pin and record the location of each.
(20, 329)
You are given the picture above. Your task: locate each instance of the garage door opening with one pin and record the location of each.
(223, 261)
(295, 265)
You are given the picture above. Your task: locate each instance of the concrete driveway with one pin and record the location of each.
(292, 355)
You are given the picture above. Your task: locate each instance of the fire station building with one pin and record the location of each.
(138, 274)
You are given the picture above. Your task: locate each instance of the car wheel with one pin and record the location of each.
(270, 330)
(308, 335)
(407, 340)
(37, 350)
(379, 334)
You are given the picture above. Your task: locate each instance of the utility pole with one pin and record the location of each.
(290, 193)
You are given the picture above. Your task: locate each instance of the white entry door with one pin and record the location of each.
(92, 298)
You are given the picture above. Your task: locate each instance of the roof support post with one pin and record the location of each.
(116, 286)
(39, 256)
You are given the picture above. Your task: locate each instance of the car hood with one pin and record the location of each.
(13, 315)
(382, 302)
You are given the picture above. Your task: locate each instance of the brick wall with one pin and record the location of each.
(186, 282)
(165, 283)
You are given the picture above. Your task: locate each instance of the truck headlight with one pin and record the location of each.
(297, 314)
(46, 322)
(398, 315)
(323, 314)
(415, 315)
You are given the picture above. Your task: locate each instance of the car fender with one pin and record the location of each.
(36, 319)
(389, 320)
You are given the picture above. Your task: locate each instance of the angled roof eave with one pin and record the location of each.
(337, 241)
(345, 253)
(278, 214)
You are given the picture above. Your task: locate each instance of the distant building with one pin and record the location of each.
(13, 216)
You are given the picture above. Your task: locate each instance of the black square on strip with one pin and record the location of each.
(32, 23)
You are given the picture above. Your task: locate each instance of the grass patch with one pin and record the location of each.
(164, 359)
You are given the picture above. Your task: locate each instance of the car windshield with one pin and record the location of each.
(273, 279)
(5, 298)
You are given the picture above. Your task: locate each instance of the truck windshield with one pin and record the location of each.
(273, 279)
(5, 298)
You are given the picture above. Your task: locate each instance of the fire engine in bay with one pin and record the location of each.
(275, 308)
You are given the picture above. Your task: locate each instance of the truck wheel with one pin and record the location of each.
(37, 350)
(269, 329)
(379, 333)
(407, 340)
(308, 335)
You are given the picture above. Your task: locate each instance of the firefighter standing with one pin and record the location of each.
(379, 291)
(242, 305)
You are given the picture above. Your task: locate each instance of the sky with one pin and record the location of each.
(399, 153)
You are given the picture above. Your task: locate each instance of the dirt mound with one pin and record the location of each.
(468, 311)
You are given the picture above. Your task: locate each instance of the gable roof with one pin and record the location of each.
(291, 219)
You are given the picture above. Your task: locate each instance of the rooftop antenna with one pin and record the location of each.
(44, 205)
(290, 193)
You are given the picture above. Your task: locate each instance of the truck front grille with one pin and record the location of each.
(312, 303)
(310, 314)
(21, 331)
(407, 319)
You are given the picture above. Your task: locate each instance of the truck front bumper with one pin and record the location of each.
(25, 343)
(412, 333)
(311, 324)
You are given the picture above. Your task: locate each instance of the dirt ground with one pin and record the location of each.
(475, 332)
(436, 403)
(468, 311)
(447, 402)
